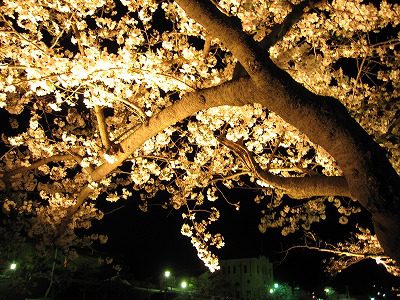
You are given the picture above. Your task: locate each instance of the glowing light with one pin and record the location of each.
(13, 266)
(167, 274)
(276, 285)
(184, 284)
(271, 291)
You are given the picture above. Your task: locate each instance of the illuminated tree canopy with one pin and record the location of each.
(299, 98)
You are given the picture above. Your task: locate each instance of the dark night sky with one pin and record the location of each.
(146, 243)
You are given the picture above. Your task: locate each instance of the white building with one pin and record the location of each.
(248, 278)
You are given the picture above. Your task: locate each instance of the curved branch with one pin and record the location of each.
(279, 30)
(388, 263)
(37, 164)
(135, 108)
(338, 252)
(295, 187)
(55, 158)
(230, 93)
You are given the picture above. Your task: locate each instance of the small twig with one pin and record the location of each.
(61, 33)
(52, 274)
(138, 111)
(223, 178)
(114, 210)
(102, 126)
(215, 2)
(274, 152)
(358, 75)
(78, 35)
(20, 35)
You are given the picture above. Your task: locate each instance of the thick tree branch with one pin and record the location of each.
(280, 30)
(370, 177)
(37, 164)
(295, 187)
(230, 93)
(52, 159)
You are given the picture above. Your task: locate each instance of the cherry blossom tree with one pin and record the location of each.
(191, 97)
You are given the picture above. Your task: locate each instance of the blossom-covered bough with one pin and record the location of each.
(190, 96)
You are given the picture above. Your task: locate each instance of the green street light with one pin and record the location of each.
(329, 291)
(276, 285)
(167, 274)
(271, 291)
(184, 284)
(13, 266)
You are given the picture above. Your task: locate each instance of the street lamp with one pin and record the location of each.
(184, 284)
(276, 285)
(329, 291)
(271, 291)
(167, 274)
(13, 266)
